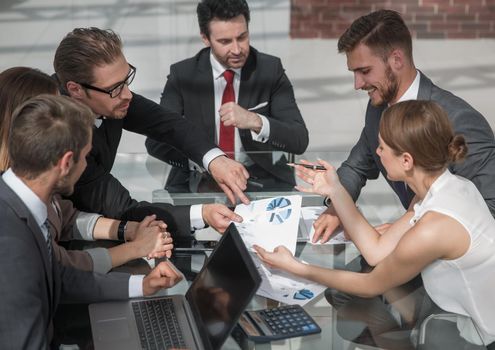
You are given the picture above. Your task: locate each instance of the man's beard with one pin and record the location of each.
(392, 87)
(63, 187)
(389, 91)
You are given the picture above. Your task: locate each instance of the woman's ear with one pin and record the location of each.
(407, 161)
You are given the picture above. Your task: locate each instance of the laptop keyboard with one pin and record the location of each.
(157, 324)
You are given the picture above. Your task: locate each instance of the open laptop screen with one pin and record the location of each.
(223, 288)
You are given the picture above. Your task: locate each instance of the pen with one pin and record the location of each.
(254, 183)
(309, 166)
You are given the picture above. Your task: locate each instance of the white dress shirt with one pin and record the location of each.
(219, 83)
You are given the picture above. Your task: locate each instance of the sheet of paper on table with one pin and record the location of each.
(309, 215)
(270, 222)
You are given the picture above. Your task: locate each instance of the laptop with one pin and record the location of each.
(203, 319)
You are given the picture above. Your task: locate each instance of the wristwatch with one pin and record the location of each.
(121, 230)
(327, 201)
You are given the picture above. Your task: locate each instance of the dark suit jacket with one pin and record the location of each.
(31, 288)
(363, 163)
(97, 191)
(189, 91)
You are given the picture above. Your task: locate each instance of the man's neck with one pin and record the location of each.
(42, 186)
(405, 81)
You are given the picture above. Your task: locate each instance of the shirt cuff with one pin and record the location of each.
(264, 133)
(136, 286)
(102, 262)
(85, 226)
(210, 155)
(196, 216)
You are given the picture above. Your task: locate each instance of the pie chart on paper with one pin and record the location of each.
(278, 210)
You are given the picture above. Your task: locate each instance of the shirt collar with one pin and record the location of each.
(98, 122)
(218, 68)
(27, 196)
(413, 90)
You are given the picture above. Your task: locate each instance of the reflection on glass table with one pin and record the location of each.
(147, 176)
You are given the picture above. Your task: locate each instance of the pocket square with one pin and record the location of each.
(261, 105)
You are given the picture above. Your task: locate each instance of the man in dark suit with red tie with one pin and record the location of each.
(239, 96)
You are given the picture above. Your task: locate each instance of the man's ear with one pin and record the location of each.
(396, 59)
(75, 90)
(66, 163)
(407, 161)
(205, 39)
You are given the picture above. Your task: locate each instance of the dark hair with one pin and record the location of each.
(224, 10)
(382, 31)
(82, 50)
(18, 84)
(43, 129)
(423, 129)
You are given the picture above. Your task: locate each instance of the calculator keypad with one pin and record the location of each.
(289, 321)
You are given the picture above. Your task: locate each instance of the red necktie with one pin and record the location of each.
(226, 136)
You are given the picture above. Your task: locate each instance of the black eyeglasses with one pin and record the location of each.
(115, 91)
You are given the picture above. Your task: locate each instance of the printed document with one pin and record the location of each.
(270, 222)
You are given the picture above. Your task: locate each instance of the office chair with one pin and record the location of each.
(440, 331)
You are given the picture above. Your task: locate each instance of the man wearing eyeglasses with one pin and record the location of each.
(91, 68)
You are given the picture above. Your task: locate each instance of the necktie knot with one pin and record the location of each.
(229, 76)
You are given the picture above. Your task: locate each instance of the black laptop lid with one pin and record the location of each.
(223, 289)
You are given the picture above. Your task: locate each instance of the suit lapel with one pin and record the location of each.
(24, 214)
(246, 86)
(425, 86)
(207, 98)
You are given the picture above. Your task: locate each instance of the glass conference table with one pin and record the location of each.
(147, 177)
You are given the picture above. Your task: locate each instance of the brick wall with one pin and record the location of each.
(452, 19)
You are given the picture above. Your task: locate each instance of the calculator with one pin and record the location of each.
(278, 323)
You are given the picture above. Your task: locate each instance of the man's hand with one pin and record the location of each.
(231, 176)
(231, 114)
(219, 216)
(164, 275)
(151, 239)
(325, 225)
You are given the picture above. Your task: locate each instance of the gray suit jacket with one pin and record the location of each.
(31, 288)
(363, 163)
(189, 91)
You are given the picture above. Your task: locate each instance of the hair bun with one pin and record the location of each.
(457, 148)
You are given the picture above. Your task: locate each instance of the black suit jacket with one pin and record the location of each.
(31, 288)
(189, 91)
(479, 166)
(98, 191)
